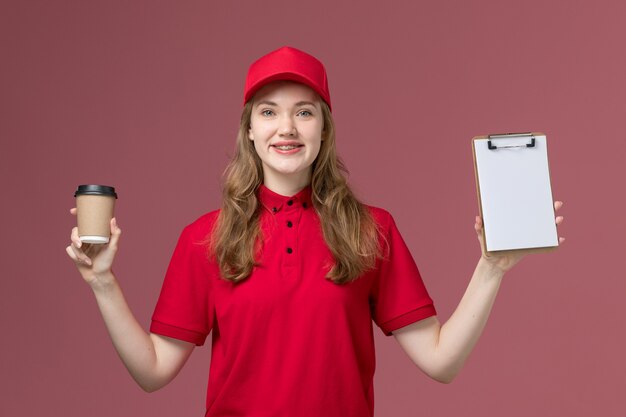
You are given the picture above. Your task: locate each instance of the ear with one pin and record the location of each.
(250, 135)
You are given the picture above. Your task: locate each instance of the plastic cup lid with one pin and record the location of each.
(92, 189)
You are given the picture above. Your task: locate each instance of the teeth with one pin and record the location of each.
(286, 148)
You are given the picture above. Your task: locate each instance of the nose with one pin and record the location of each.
(287, 127)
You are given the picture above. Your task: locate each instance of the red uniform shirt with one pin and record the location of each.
(287, 341)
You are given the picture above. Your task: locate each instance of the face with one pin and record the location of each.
(286, 128)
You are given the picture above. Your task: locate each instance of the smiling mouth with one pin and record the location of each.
(287, 147)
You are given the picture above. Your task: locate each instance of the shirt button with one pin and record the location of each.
(304, 205)
(289, 224)
(290, 202)
(274, 209)
(289, 250)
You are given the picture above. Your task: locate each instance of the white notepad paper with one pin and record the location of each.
(515, 194)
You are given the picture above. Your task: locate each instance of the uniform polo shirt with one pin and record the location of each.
(286, 341)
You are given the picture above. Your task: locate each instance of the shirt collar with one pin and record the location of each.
(274, 202)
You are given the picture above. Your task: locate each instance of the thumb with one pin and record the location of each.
(478, 225)
(115, 234)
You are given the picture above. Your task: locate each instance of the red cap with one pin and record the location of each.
(287, 63)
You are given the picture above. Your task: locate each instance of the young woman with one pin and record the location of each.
(290, 273)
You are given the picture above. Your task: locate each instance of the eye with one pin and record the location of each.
(267, 112)
(306, 113)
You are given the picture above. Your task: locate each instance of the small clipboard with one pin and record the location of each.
(514, 192)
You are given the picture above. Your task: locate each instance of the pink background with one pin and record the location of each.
(146, 96)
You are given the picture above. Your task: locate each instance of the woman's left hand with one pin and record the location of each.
(506, 261)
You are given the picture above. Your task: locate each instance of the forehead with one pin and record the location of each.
(283, 92)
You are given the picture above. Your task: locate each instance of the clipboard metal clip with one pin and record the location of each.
(511, 135)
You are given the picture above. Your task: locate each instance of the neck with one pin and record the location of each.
(286, 185)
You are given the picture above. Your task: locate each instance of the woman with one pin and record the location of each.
(290, 273)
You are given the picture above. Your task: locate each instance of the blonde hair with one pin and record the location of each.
(349, 229)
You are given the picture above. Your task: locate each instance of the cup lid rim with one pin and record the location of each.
(95, 189)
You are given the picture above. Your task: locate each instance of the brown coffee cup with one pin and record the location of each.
(94, 210)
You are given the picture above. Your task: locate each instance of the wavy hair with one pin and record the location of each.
(350, 232)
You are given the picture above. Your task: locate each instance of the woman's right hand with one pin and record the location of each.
(94, 261)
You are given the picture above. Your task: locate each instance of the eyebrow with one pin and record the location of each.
(271, 103)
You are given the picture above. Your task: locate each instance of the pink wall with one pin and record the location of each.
(146, 96)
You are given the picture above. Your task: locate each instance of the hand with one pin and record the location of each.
(94, 261)
(506, 261)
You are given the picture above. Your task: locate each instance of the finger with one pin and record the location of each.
(561, 239)
(73, 211)
(71, 254)
(115, 233)
(558, 205)
(74, 237)
(77, 245)
(559, 219)
(79, 255)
